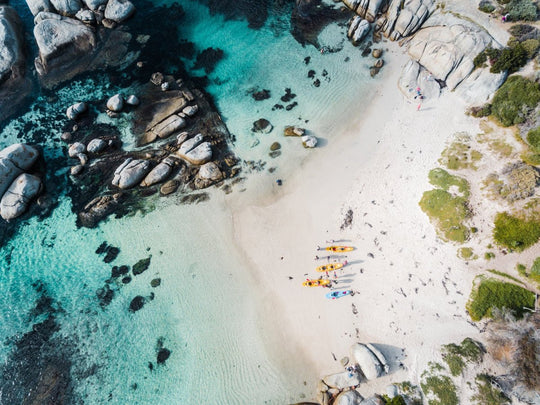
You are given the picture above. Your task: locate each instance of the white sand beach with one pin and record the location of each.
(410, 288)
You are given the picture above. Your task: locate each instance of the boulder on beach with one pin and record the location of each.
(309, 141)
(189, 144)
(208, 174)
(369, 363)
(169, 187)
(16, 198)
(75, 149)
(358, 29)
(130, 173)
(293, 130)
(199, 155)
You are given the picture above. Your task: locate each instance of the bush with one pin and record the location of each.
(493, 294)
(515, 233)
(486, 6)
(514, 99)
(509, 59)
(523, 32)
(397, 400)
(444, 180)
(480, 59)
(531, 47)
(482, 111)
(535, 268)
(448, 213)
(533, 137)
(457, 356)
(521, 10)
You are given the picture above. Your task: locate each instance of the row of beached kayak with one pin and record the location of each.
(330, 267)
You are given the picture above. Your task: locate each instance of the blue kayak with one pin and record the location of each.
(338, 294)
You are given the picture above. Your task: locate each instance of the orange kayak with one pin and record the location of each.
(339, 249)
(330, 267)
(315, 283)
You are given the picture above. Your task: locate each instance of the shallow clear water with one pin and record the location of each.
(206, 309)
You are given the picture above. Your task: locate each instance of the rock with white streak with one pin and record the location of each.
(75, 149)
(21, 155)
(130, 173)
(358, 29)
(115, 103)
(199, 155)
(15, 200)
(404, 18)
(8, 173)
(119, 10)
(190, 144)
(414, 76)
(159, 173)
(369, 363)
(367, 9)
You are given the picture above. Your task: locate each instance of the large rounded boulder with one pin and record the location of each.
(18, 195)
(369, 363)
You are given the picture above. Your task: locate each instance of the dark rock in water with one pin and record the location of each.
(307, 59)
(112, 253)
(317, 83)
(275, 146)
(155, 282)
(255, 12)
(373, 71)
(105, 295)
(150, 366)
(277, 107)
(137, 303)
(288, 96)
(169, 187)
(262, 125)
(163, 355)
(311, 74)
(310, 17)
(274, 154)
(126, 280)
(324, 73)
(102, 248)
(118, 271)
(367, 50)
(208, 59)
(141, 266)
(261, 95)
(292, 105)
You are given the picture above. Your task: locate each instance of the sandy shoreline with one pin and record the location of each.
(411, 295)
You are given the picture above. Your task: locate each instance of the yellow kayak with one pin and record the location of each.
(315, 283)
(330, 267)
(339, 249)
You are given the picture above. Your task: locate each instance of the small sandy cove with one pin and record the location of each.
(410, 288)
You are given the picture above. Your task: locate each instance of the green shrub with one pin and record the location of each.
(448, 213)
(487, 393)
(489, 255)
(533, 137)
(397, 400)
(514, 99)
(515, 233)
(442, 388)
(521, 10)
(491, 294)
(457, 356)
(531, 47)
(465, 253)
(521, 269)
(480, 59)
(486, 6)
(535, 268)
(444, 180)
(509, 59)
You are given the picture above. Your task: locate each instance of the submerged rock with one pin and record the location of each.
(169, 187)
(262, 125)
(294, 131)
(137, 303)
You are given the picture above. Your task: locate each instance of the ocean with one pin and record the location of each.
(198, 334)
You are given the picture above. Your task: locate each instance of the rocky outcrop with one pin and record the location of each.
(96, 145)
(368, 9)
(37, 6)
(199, 155)
(119, 10)
(62, 42)
(208, 174)
(342, 380)
(351, 397)
(358, 29)
(130, 173)
(94, 4)
(16, 187)
(115, 103)
(76, 110)
(17, 197)
(14, 86)
(67, 7)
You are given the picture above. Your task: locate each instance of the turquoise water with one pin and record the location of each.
(206, 311)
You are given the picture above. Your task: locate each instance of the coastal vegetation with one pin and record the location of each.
(514, 100)
(439, 388)
(515, 232)
(503, 274)
(490, 295)
(458, 356)
(487, 393)
(447, 205)
(459, 155)
(466, 253)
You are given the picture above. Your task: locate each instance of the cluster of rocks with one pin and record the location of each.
(183, 141)
(442, 48)
(308, 141)
(366, 362)
(17, 186)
